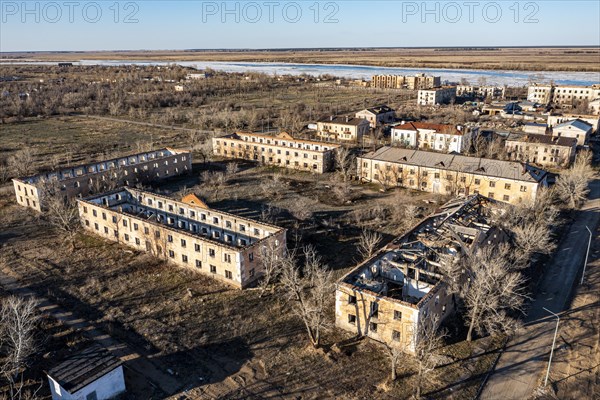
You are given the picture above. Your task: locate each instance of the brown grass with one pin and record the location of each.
(528, 59)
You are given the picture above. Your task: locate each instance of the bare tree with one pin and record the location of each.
(205, 150)
(492, 288)
(428, 342)
(18, 321)
(368, 242)
(231, 169)
(21, 163)
(308, 292)
(572, 185)
(213, 183)
(301, 209)
(395, 354)
(272, 188)
(344, 162)
(271, 260)
(62, 214)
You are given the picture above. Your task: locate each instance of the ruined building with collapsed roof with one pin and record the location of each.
(384, 297)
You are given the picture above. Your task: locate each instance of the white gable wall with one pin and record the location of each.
(106, 387)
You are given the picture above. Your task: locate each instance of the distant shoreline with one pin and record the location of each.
(568, 59)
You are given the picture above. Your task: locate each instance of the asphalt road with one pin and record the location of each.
(522, 366)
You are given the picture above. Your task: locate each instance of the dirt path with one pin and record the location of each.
(522, 365)
(131, 359)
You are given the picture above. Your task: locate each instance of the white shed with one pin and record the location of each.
(93, 374)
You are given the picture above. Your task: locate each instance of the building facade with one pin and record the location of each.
(343, 129)
(281, 150)
(544, 150)
(451, 174)
(556, 119)
(385, 297)
(187, 233)
(492, 92)
(84, 179)
(439, 137)
(435, 96)
(563, 95)
(419, 81)
(377, 116)
(577, 129)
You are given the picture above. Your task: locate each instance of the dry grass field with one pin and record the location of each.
(219, 342)
(529, 59)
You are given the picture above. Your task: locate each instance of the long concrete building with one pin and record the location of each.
(282, 150)
(84, 179)
(385, 297)
(187, 232)
(452, 174)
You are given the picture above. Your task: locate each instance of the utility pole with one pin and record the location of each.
(586, 254)
(553, 343)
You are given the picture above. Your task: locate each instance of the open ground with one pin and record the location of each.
(513, 58)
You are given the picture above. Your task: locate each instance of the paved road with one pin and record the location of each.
(523, 364)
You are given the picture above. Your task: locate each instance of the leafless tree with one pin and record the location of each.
(301, 209)
(231, 169)
(213, 183)
(21, 163)
(18, 322)
(62, 214)
(395, 354)
(344, 162)
(491, 289)
(572, 185)
(4, 172)
(272, 187)
(368, 242)
(428, 342)
(271, 260)
(342, 191)
(205, 150)
(308, 292)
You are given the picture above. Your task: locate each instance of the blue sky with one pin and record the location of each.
(96, 25)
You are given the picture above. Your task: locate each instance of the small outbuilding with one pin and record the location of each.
(93, 374)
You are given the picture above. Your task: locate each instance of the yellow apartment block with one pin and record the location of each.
(452, 174)
(281, 150)
(187, 233)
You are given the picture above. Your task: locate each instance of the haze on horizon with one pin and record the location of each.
(180, 25)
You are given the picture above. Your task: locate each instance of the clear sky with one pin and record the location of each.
(147, 24)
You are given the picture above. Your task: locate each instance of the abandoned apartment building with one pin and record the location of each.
(385, 297)
(544, 150)
(187, 233)
(81, 180)
(452, 174)
(281, 150)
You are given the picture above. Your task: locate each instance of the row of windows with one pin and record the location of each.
(128, 238)
(275, 142)
(287, 153)
(192, 214)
